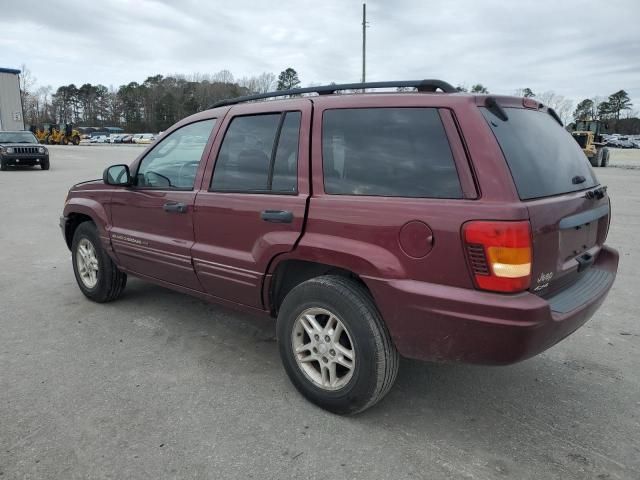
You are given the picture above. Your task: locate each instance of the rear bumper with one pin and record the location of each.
(440, 323)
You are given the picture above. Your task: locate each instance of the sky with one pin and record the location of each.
(577, 49)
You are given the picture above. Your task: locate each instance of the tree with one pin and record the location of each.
(265, 82)
(604, 111)
(619, 101)
(461, 88)
(288, 79)
(528, 93)
(223, 76)
(479, 88)
(585, 110)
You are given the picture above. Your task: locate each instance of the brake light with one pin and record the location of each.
(499, 254)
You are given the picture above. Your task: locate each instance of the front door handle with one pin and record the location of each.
(174, 207)
(277, 216)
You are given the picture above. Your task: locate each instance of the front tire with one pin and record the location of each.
(334, 345)
(44, 165)
(604, 162)
(3, 166)
(98, 277)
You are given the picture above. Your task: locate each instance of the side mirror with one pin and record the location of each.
(117, 175)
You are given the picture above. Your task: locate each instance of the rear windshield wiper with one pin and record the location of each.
(578, 179)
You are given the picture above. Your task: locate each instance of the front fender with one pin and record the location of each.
(96, 211)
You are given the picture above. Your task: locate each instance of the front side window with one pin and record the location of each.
(392, 152)
(259, 154)
(174, 161)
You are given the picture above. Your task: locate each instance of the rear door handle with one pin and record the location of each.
(277, 216)
(174, 207)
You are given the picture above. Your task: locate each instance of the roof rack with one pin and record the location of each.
(420, 85)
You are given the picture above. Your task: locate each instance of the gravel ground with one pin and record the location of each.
(161, 385)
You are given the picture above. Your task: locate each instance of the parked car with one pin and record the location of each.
(135, 137)
(99, 139)
(144, 138)
(620, 142)
(21, 149)
(116, 138)
(370, 225)
(126, 139)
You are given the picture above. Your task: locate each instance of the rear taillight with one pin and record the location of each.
(499, 254)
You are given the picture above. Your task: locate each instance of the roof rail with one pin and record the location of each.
(420, 85)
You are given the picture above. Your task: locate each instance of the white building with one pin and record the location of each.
(10, 104)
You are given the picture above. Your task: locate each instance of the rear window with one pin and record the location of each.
(543, 157)
(393, 152)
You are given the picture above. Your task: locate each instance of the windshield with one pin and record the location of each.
(543, 157)
(17, 137)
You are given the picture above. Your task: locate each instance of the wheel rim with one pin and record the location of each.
(323, 349)
(87, 263)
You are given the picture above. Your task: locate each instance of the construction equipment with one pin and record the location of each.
(40, 133)
(588, 136)
(55, 135)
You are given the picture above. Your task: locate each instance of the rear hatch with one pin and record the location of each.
(568, 208)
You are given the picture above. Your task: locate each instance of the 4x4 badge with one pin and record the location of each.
(543, 281)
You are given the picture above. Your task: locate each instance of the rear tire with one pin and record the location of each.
(604, 162)
(107, 282)
(596, 159)
(334, 301)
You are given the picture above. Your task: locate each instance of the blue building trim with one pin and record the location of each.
(9, 70)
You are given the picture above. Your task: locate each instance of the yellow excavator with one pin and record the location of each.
(588, 136)
(58, 134)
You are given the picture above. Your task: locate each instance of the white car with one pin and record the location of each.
(99, 139)
(144, 138)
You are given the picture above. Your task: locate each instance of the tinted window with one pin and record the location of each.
(248, 161)
(17, 137)
(174, 161)
(543, 157)
(397, 152)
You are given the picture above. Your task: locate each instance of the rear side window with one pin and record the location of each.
(543, 157)
(259, 154)
(393, 152)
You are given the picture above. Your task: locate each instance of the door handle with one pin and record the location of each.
(174, 207)
(277, 216)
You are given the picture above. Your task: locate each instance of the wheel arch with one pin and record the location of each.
(79, 210)
(291, 272)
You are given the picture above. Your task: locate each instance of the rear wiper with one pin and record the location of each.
(578, 179)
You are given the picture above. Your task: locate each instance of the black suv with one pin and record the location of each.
(22, 149)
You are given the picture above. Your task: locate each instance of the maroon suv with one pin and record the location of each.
(431, 224)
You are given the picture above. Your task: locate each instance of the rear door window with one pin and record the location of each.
(543, 157)
(394, 152)
(259, 154)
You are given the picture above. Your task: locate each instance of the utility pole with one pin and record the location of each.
(364, 42)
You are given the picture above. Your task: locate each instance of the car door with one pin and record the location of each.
(253, 207)
(152, 221)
